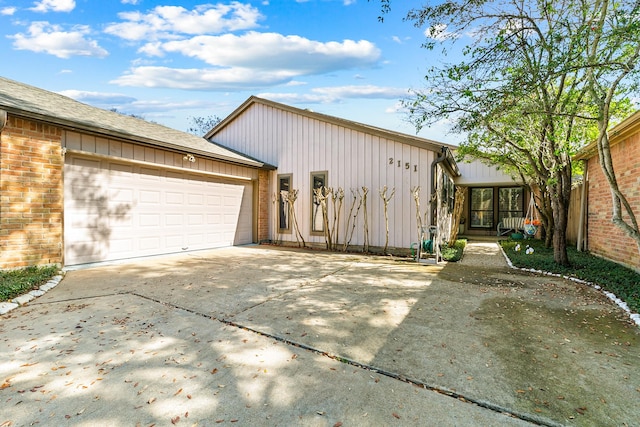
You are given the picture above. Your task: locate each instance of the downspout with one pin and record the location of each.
(583, 208)
(444, 155)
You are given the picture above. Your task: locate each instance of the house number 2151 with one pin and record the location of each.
(407, 165)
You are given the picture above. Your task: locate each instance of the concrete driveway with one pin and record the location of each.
(268, 336)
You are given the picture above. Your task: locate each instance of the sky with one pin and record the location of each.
(169, 61)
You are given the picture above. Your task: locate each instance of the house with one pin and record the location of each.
(493, 196)
(80, 185)
(603, 237)
(312, 151)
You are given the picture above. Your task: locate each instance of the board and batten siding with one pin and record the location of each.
(299, 145)
(114, 148)
(477, 174)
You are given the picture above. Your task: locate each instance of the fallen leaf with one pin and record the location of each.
(396, 415)
(175, 420)
(188, 396)
(581, 411)
(219, 421)
(338, 424)
(214, 371)
(151, 400)
(235, 420)
(178, 392)
(520, 391)
(6, 424)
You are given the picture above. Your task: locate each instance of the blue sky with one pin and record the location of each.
(173, 59)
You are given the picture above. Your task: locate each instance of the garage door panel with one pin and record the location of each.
(174, 198)
(196, 199)
(173, 219)
(149, 220)
(150, 197)
(120, 246)
(150, 244)
(115, 210)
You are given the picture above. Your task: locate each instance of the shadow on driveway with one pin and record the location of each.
(269, 336)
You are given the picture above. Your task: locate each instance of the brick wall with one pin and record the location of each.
(31, 198)
(263, 205)
(605, 238)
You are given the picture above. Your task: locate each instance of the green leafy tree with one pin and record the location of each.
(536, 81)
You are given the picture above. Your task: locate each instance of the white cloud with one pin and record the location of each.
(201, 79)
(54, 6)
(167, 22)
(134, 2)
(271, 51)
(44, 37)
(326, 95)
(129, 105)
(98, 98)
(253, 60)
(8, 11)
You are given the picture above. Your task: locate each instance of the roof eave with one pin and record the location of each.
(396, 136)
(77, 126)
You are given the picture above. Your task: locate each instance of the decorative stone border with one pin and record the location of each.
(7, 306)
(635, 317)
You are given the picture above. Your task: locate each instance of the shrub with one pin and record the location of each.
(14, 283)
(454, 253)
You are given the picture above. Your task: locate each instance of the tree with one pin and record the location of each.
(537, 79)
(613, 50)
(201, 125)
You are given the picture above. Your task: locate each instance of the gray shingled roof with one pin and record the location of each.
(39, 104)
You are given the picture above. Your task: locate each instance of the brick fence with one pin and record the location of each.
(31, 198)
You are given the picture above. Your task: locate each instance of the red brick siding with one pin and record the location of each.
(263, 206)
(604, 238)
(31, 198)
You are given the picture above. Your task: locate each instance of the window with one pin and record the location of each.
(449, 192)
(510, 202)
(284, 185)
(318, 182)
(481, 208)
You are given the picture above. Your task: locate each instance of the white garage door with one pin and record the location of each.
(119, 210)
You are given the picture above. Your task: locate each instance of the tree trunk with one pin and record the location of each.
(560, 192)
(460, 196)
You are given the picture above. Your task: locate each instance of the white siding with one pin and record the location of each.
(299, 145)
(477, 174)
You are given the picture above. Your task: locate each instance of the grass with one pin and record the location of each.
(14, 283)
(621, 281)
(454, 253)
